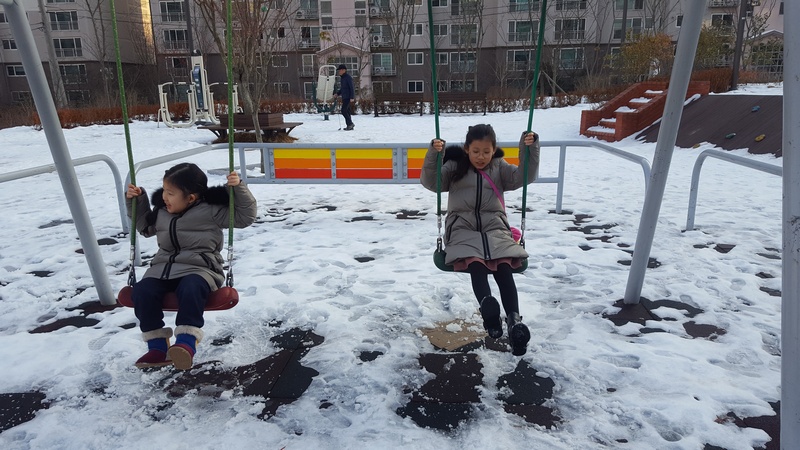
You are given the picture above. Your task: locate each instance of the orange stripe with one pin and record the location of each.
(415, 163)
(298, 163)
(364, 173)
(363, 163)
(302, 173)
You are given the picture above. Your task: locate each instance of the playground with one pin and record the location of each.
(331, 345)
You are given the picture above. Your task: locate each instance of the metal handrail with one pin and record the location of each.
(50, 168)
(725, 156)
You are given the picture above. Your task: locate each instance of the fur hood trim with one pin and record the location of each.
(215, 195)
(456, 152)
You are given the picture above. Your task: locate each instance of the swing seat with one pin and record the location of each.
(439, 256)
(223, 298)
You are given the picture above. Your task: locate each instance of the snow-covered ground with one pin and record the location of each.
(296, 268)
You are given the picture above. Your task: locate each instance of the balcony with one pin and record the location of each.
(519, 66)
(378, 40)
(308, 44)
(172, 46)
(307, 14)
(307, 72)
(377, 12)
(173, 17)
(568, 35)
(722, 3)
(384, 71)
(462, 67)
(524, 6)
(522, 37)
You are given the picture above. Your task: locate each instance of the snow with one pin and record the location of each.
(615, 387)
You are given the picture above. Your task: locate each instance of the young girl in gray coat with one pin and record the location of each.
(478, 237)
(187, 221)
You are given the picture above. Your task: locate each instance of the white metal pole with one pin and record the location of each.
(20, 29)
(790, 278)
(667, 135)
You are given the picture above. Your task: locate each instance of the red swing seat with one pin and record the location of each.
(223, 298)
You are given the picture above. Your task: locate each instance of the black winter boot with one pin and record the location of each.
(490, 311)
(518, 334)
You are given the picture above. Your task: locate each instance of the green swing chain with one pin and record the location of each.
(539, 44)
(231, 111)
(124, 104)
(435, 88)
(131, 169)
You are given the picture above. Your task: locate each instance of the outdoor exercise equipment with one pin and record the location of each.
(202, 109)
(225, 297)
(439, 255)
(323, 98)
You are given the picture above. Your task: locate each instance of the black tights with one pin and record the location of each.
(505, 282)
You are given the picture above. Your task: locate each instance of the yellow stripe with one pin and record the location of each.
(511, 152)
(414, 153)
(363, 153)
(303, 153)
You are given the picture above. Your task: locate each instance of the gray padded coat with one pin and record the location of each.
(191, 242)
(476, 223)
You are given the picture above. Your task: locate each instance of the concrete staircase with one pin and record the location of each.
(632, 110)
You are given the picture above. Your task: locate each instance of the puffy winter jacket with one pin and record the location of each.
(476, 223)
(190, 242)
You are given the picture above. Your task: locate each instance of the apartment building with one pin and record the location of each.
(483, 45)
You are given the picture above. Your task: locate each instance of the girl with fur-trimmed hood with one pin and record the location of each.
(478, 238)
(187, 220)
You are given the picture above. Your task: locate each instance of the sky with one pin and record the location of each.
(299, 267)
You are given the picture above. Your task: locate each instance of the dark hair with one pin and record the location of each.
(187, 177)
(474, 133)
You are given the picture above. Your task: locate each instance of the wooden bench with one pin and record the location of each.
(390, 102)
(462, 102)
(268, 122)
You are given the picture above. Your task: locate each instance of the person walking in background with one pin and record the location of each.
(478, 238)
(348, 93)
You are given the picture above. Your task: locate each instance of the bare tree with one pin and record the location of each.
(392, 30)
(466, 33)
(253, 46)
(99, 46)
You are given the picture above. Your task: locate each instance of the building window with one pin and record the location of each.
(464, 34)
(416, 86)
(462, 62)
(566, 5)
(176, 40)
(633, 5)
(523, 5)
(382, 64)
(308, 91)
(15, 71)
(327, 23)
(518, 60)
(440, 29)
(280, 60)
(724, 21)
(465, 7)
(442, 59)
(439, 3)
(63, 20)
(73, 73)
(60, 1)
(22, 97)
(570, 58)
(679, 21)
(9, 44)
(281, 87)
(78, 98)
(635, 26)
(70, 47)
(172, 12)
(415, 29)
(414, 58)
(567, 29)
(521, 30)
(3, 18)
(382, 86)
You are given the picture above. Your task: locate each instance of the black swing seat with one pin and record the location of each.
(223, 298)
(439, 256)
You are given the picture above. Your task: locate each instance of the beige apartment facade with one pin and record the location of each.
(487, 46)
